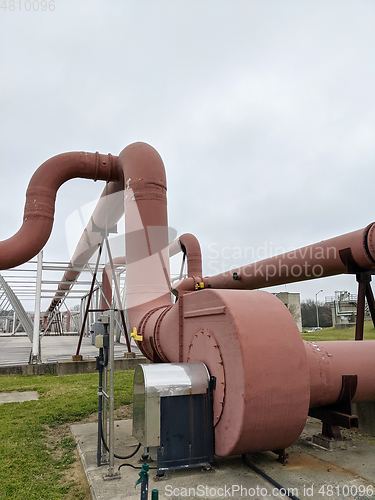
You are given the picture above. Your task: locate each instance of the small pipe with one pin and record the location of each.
(268, 478)
(191, 247)
(326, 258)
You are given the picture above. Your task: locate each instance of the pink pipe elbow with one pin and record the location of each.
(146, 230)
(191, 247)
(40, 201)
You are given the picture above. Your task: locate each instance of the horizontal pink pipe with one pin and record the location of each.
(329, 361)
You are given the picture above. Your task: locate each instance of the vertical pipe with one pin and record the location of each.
(146, 231)
(35, 352)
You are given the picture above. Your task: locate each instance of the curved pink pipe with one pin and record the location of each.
(40, 200)
(191, 247)
(146, 232)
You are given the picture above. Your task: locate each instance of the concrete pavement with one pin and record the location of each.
(15, 350)
(311, 471)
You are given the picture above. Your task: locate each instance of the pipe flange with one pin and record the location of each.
(157, 345)
(204, 348)
(142, 329)
(371, 242)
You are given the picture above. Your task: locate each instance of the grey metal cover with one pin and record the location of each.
(151, 382)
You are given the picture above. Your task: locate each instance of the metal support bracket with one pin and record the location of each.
(340, 413)
(364, 291)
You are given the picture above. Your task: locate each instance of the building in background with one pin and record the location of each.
(293, 303)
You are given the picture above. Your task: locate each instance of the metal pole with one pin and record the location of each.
(14, 323)
(362, 279)
(99, 366)
(317, 310)
(105, 415)
(111, 395)
(35, 351)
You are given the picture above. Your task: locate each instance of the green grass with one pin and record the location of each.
(29, 469)
(347, 334)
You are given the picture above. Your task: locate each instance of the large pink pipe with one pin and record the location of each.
(326, 258)
(40, 201)
(146, 231)
(329, 361)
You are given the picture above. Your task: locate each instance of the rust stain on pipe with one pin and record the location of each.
(41, 196)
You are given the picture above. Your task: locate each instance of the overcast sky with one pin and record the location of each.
(263, 112)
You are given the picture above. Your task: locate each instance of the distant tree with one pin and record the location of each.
(308, 311)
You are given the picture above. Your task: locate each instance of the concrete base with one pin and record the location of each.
(69, 367)
(129, 355)
(332, 444)
(308, 469)
(366, 416)
(77, 357)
